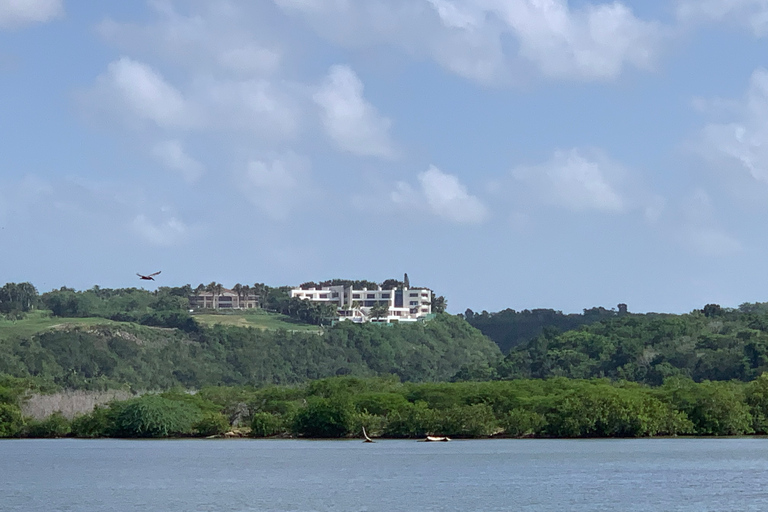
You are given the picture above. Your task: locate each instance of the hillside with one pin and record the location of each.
(111, 354)
(708, 344)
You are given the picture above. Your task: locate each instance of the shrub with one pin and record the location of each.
(521, 423)
(416, 420)
(98, 423)
(265, 424)
(212, 424)
(466, 421)
(10, 420)
(55, 425)
(155, 416)
(324, 418)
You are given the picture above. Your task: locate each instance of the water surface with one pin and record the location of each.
(302, 476)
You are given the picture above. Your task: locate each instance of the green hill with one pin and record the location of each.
(83, 354)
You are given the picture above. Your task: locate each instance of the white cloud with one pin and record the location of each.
(742, 142)
(593, 43)
(276, 186)
(442, 194)
(167, 232)
(353, 123)
(471, 37)
(751, 13)
(172, 155)
(142, 92)
(577, 182)
(17, 13)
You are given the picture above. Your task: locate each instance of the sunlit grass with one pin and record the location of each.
(258, 319)
(38, 321)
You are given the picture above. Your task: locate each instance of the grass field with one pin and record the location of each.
(38, 321)
(257, 319)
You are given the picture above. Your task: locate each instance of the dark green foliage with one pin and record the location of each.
(155, 416)
(144, 358)
(414, 421)
(510, 328)
(10, 420)
(714, 408)
(98, 423)
(211, 424)
(324, 418)
(523, 423)
(719, 345)
(265, 424)
(17, 298)
(468, 421)
(55, 425)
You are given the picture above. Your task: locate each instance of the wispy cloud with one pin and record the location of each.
(166, 232)
(277, 185)
(141, 93)
(18, 13)
(172, 155)
(749, 13)
(351, 121)
(740, 143)
(577, 181)
(468, 37)
(443, 195)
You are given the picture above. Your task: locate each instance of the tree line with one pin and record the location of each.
(386, 407)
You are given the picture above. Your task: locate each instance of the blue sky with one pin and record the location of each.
(506, 153)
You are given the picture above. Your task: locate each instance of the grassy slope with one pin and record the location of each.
(258, 319)
(39, 321)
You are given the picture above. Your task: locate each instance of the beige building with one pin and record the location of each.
(227, 299)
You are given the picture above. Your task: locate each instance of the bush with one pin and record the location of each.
(155, 416)
(522, 423)
(98, 423)
(55, 425)
(416, 420)
(265, 424)
(212, 424)
(466, 421)
(10, 420)
(324, 418)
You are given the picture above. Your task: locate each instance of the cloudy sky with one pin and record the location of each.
(506, 153)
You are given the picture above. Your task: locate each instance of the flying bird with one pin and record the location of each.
(148, 277)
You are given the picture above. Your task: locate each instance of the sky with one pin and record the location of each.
(505, 153)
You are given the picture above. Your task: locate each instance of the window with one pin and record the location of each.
(384, 295)
(323, 295)
(371, 296)
(335, 295)
(414, 303)
(413, 294)
(355, 295)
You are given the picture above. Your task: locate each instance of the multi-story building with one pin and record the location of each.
(403, 304)
(227, 299)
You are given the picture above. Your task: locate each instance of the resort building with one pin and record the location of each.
(403, 304)
(227, 299)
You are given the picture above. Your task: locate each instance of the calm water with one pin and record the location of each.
(510, 475)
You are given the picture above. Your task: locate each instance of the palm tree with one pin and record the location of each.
(238, 289)
(246, 293)
(212, 289)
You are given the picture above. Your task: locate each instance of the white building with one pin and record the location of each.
(403, 305)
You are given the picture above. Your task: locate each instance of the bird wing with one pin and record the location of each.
(139, 274)
(155, 273)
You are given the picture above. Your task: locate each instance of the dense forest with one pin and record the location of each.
(600, 373)
(385, 407)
